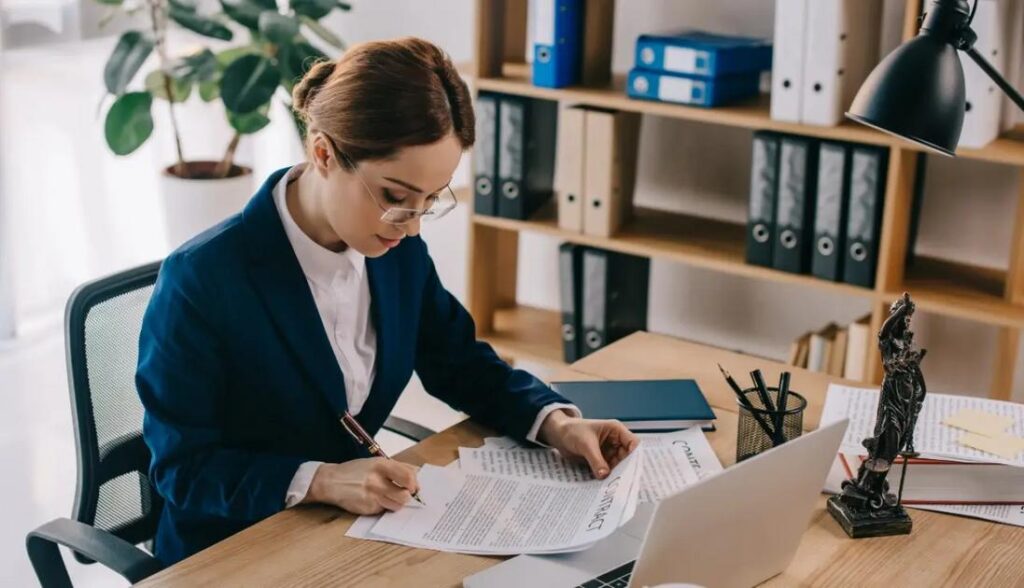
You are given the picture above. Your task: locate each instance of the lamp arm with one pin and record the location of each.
(998, 79)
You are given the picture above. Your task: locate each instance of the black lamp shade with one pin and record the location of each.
(917, 93)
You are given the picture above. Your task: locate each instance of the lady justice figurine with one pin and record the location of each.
(866, 508)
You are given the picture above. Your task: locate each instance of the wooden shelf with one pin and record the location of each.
(525, 332)
(754, 114)
(960, 290)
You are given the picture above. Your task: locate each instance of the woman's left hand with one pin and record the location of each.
(602, 444)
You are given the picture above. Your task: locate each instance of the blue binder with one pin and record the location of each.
(691, 90)
(702, 53)
(557, 42)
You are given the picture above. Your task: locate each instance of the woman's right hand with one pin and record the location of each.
(364, 486)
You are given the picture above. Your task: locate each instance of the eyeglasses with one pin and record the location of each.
(438, 205)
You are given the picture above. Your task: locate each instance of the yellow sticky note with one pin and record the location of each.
(1004, 445)
(980, 422)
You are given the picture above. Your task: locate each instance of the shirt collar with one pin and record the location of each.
(318, 263)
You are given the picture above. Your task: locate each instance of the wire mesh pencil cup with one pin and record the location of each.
(751, 438)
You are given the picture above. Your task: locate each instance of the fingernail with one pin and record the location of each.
(602, 472)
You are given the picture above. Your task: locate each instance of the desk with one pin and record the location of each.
(307, 546)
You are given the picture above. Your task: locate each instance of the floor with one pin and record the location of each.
(37, 449)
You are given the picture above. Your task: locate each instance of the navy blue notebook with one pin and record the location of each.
(642, 405)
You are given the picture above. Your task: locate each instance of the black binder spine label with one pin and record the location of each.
(867, 185)
(485, 156)
(763, 187)
(569, 265)
(595, 287)
(829, 225)
(797, 175)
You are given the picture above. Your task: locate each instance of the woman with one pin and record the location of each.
(320, 297)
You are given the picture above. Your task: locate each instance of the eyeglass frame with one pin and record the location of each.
(429, 214)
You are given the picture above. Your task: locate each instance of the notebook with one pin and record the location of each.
(642, 405)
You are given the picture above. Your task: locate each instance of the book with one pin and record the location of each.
(642, 405)
(837, 356)
(799, 350)
(857, 341)
(821, 348)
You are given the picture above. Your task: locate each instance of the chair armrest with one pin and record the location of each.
(113, 552)
(407, 429)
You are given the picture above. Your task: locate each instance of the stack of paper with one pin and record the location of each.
(505, 499)
(946, 437)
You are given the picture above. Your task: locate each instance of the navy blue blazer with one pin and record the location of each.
(240, 385)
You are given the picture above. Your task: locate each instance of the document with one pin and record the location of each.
(1008, 514)
(931, 438)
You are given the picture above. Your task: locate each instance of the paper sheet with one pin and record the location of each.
(492, 514)
(932, 439)
(1008, 514)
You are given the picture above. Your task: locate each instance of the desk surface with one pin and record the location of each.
(307, 546)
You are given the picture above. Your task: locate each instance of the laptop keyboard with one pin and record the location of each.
(617, 578)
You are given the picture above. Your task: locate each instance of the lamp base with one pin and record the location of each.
(860, 523)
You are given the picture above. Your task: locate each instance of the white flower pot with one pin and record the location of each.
(191, 206)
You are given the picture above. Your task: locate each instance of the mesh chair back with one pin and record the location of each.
(102, 326)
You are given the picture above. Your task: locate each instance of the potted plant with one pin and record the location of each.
(244, 78)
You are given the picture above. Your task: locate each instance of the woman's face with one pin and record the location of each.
(355, 200)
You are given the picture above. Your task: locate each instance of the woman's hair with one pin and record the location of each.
(381, 96)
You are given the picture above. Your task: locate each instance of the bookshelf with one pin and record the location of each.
(992, 297)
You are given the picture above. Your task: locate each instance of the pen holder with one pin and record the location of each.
(751, 438)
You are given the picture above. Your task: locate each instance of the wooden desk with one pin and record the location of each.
(307, 546)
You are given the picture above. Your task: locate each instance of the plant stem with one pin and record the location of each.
(157, 18)
(225, 165)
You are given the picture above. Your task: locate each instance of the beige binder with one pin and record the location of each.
(569, 168)
(610, 169)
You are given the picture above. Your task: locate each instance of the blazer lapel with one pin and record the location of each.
(281, 284)
(384, 287)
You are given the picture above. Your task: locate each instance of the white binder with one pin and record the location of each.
(984, 99)
(840, 48)
(788, 58)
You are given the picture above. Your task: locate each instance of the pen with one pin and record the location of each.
(762, 390)
(363, 438)
(783, 396)
(746, 403)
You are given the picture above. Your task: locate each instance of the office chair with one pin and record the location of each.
(116, 507)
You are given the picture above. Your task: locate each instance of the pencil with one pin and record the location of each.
(363, 438)
(746, 403)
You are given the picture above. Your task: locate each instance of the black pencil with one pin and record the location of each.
(746, 403)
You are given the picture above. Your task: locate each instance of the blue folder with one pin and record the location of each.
(702, 53)
(642, 405)
(557, 43)
(691, 90)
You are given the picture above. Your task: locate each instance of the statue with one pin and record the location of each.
(866, 507)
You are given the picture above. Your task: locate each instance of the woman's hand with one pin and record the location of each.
(603, 444)
(364, 486)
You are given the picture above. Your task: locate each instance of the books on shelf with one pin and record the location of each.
(838, 350)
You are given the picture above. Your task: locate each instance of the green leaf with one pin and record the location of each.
(250, 123)
(129, 54)
(248, 82)
(344, 6)
(315, 9)
(266, 4)
(295, 60)
(201, 66)
(111, 2)
(180, 88)
(129, 122)
(322, 32)
(228, 56)
(209, 90)
(244, 12)
(205, 26)
(278, 28)
(186, 5)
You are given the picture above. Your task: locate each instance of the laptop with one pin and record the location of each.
(737, 528)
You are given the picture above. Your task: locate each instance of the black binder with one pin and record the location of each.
(527, 131)
(764, 182)
(829, 211)
(614, 297)
(867, 191)
(485, 155)
(794, 227)
(570, 270)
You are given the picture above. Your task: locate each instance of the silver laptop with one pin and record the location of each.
(737, 528)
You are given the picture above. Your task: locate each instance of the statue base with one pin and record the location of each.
(859, 523)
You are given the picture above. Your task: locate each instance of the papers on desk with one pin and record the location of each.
(505, 499)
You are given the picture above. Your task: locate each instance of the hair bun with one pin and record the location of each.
(310, 84)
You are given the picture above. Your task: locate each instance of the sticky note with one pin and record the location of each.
(980, 422)
(1004, 445)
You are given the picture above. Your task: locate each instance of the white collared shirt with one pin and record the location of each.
(341, 291)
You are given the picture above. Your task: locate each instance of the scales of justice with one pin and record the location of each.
(866, 507)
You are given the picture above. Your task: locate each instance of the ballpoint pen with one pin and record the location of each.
(363, 438)
(781, 408)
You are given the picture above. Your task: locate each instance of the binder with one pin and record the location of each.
(557, 42)
(570, 270)
(984, 100)
(764, 183)
(609, 166)
(598, 27)
(485, 155)
(526, 154)
(691, 90)
(569, 169)
(829, 220)
(702, 53)
(867, 190)
(788, 59)
(793, 216)
(841, 42)
(614, 297)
